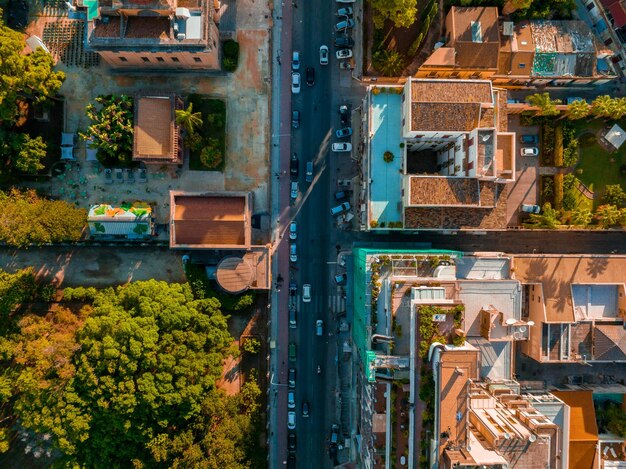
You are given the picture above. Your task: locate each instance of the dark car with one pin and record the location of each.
(310, 76)
(295, 119)
(291, 442)
(344, 114)
(293, 288)
(529, 138)
(291, 461)
(294, 165)
(292, 378)
(344, 41)
(305, 409)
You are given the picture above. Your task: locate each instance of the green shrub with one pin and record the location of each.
(558, 191)
(79, 294)
(211, 155)
(415, 45)
(388, 157)
(557, 156)
(570, 154)
(230, 55)
(251, 346)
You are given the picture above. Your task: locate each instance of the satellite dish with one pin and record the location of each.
(530, 323)
(532, 438)
(523, 329)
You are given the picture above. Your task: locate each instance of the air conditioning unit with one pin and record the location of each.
(183, 13)
(181, 36)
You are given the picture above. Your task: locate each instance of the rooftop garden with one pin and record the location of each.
(204, 124)
(438, 325)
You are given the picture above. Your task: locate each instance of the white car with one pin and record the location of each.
(293, 254)
(344, 53)
(306, 293)
(295, 83)
(345, 11)
(529, 151)
(291, 420)
(295, 60)
(294, 190)
(293, 230)
(342, 146)
(323, 55)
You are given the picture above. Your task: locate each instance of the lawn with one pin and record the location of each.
(213, 127)
(599, 167)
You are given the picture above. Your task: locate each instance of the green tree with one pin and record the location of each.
(618, 108)
(251, 346)
(15, 289)
(23, 78)
(32, 152)
(548, 218)
(211, 155)
(111, 128)
(546, 105)
(402, 12)
(578, 110)
(25, 219)
(582, 217)
(614, 195)
(511, 6)
(608, 215)
(602, 106)
(188, 119)
(388, 63)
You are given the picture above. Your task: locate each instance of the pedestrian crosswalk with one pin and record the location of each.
(335, 303)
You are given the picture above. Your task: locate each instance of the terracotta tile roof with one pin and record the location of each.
(609, 342)
(487, 118)
(557, 273)
(209, 220)
(452, 117)
(148, 27)
(474, 55)
(156, 132)
(451, 91)
(109, 29)
(470, 54)
(442, 56)
(427, 190)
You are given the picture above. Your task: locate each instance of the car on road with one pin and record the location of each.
(306, 293)
(291, 442)
(291, 420)
(345, 11)
(342, 133)
(344, 114)
(293, 255)
(319, 328)
(295, 83)
(323, 55)
(341, 279)
(291, 400)
(310, 76)
(339, 209)
(529, 151)
(295, 119)
(291, 380)
(292, 352)
(341, 147)
(305, 409)
(334, 434)
(530, 208)
(294, 165)
(345, 24)
(295, 60)
(293, 230)
(309, 171)
(340, 195)
(292, 318)
(294, 190)
(344, 41)
(291, 461)
(529, 139)
(293, 288)
(344, 53)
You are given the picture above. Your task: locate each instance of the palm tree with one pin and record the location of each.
(618, 109)
(582, 216)
(547, 106)
(388, 63)
(188, 119)
(602, 106)
(578, 110)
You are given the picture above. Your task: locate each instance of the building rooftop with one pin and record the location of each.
(556, 274)
(475, 37)
(156, 132)
(451, 91)
(617, 10)
(453, 117)
(439, 190)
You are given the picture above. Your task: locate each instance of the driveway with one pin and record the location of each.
(96, 267)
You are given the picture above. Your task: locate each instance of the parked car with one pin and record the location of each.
(345, 24)
(341, 146)
(292, 318)
(292, 352)
(342, 133)
(293, 230)
(295, 60)
(306, 293)
(344, 41)
(293, 289)
(323, 55)
(295, 119)
(305, 409)
(291, 400)
(319, 328)
(294, 165)
(291, 420)
(291, 379)
(530, 208)
(344, 53)
(341, 279)
(293, 255)
(310, 76)
(334, 434)
(339, 209)
(529, 151)
(291, 442)
(295, 83)
(291, 461)
(294, 190)
(345, 11)
(340, 195)
(344, 114)
(309, 171)
(529, 139)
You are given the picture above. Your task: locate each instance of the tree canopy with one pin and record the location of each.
(23, 78)
(546, 106)
(402, 12)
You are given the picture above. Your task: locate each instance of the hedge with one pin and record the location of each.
(230, 55)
